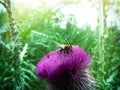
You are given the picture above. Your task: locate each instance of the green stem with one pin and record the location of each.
(15, 49)
(101, 39)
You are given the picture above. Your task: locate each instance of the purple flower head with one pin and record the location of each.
(63, 64)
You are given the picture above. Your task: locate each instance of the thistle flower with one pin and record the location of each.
(66, 69)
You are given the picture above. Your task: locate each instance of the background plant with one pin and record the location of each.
(39, 32)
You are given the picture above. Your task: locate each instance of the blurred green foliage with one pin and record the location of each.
(39, 33)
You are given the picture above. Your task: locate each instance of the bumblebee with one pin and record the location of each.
(65, 48)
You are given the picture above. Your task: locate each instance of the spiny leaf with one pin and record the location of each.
(29, 72)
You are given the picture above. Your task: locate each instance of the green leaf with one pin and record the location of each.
(29, 72)
(3, 29)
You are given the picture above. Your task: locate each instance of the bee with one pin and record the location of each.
(65, 48)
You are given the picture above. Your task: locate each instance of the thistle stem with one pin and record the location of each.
(101, 39)
(15, 47)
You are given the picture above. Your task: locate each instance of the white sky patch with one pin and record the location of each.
(113, 18)
(52, 2)
(83, 13)
(32, 4)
